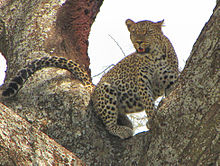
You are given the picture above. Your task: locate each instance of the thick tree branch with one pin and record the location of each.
(23, 144)
(187, 124)
(185, 131)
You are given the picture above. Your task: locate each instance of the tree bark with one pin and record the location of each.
(23, 144)
(185, 127)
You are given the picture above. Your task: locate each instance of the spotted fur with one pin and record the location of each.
(130, 86)
(138, 80)
(16, 83)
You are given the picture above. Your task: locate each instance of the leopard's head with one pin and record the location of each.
(145, 35)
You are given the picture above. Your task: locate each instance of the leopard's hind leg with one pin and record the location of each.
(105, 105)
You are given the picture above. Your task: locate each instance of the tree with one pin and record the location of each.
(52, 103)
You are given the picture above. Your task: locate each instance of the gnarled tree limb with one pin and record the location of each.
(186, 126)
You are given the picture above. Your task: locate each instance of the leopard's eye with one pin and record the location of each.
(149, 31)
(133, 31)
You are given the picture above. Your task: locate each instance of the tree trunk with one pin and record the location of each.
(185, 127)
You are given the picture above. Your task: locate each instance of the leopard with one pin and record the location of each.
(131, 86)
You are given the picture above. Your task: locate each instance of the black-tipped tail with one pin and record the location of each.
(17, 82)
(14, 85)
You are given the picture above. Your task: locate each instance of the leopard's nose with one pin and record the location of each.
(139, 42)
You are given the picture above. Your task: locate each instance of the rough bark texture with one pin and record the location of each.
(23, 144)
(186, 126)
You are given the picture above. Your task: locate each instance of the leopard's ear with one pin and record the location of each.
(160, 23)
(129, 22)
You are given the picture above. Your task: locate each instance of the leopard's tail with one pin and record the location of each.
(16, 83)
